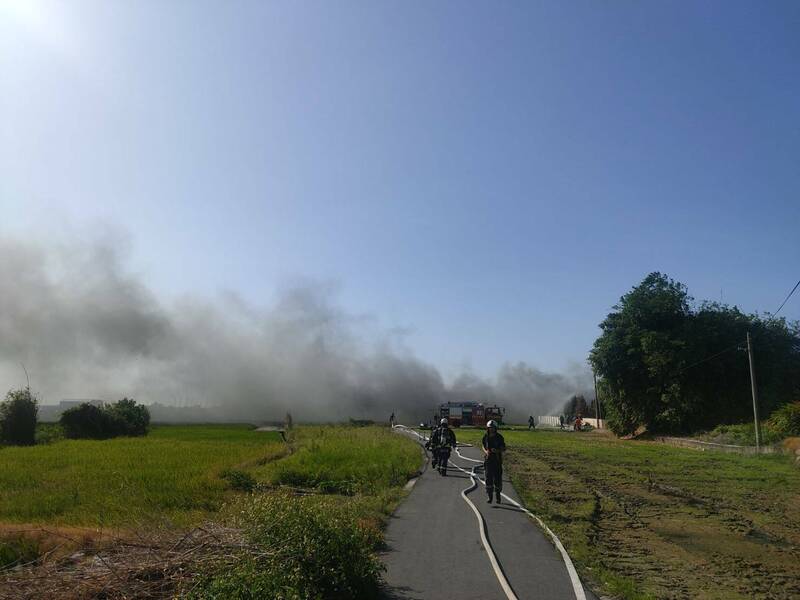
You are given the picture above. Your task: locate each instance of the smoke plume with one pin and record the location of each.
(86, 327)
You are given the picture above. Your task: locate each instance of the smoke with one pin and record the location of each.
(86, 327)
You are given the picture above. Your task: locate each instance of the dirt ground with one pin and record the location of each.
(647, 521)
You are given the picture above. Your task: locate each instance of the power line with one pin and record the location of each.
(728, 349)
(787, 299)
(740, 343)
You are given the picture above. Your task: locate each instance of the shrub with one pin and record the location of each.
(308, 547)
(132, 419)
(239, 480)
(785, 421)
(18, 418)
(88, 421)
(47, 433)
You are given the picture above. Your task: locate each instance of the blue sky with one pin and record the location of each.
(491, 176)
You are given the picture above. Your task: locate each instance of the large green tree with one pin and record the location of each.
(672, 368)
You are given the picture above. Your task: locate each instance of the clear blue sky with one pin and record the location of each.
(491, 175)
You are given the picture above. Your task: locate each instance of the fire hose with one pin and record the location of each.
(498, 571)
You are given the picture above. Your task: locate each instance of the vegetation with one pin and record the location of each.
(18, 418)
(316, 542)
(88, 421)
(785, 421)
(344, 460)
(307, 547)
(170, 476)
(652, 355)
(643, 520)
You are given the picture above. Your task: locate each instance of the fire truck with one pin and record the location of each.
(470, 413)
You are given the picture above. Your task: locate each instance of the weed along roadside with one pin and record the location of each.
(223, 511)
(645, 520)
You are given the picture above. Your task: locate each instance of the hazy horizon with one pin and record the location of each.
(433, 190)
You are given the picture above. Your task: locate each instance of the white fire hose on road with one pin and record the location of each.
(498, 571)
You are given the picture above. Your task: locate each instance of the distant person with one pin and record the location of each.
(531, 423)
(442, 442)
(493, 447)
(391, 420)
(561, 421)
(429, 445)
(578, 423)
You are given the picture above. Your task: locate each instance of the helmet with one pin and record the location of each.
(443, 422)
(491, 423)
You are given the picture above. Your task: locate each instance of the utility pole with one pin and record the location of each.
(596, 400)
(754, 389)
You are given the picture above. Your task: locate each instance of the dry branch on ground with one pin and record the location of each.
(141, 566)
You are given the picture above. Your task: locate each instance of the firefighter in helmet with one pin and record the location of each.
(442, 441)
(493, 447)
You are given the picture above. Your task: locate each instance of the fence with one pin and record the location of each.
(550, 421)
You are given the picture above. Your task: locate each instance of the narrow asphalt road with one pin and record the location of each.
(434, 548)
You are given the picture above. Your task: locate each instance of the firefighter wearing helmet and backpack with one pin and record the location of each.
(493, 447)
(442, 441)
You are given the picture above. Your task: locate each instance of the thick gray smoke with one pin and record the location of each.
(87, 328)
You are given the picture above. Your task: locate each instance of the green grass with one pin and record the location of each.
(171, 475)
(345, 460)
(320, 543)
(645, 520)
(317, 544)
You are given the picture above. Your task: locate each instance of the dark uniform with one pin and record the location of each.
(493, 464)
(531, 423)
(442, 441)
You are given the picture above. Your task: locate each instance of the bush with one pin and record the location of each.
(18, 418)
(309, 547)
(131, 419)
(785, 421)
(238, 480)
(88, 421)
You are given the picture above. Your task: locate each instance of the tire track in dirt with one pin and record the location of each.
(676, 543)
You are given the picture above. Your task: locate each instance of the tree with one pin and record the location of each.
(99, 423)
(670, 368)
(576, 406)
(639, 352)
(18, 418)
(130, 418)
(87, 421)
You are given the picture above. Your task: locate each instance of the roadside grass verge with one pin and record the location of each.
(644, 520)
(344, 460)
(316, 526)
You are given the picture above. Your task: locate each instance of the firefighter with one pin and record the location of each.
(493, 447)
(429, 444)
(578, 423)
(442, 442)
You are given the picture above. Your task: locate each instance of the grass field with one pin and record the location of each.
(644, 520)
(170, 475)
(344, 460)
(308, 530)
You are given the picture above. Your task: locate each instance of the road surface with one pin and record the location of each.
(435, 551)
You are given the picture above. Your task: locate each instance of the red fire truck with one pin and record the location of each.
(470, 413)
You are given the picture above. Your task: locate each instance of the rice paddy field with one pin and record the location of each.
(201, 511)
(643, 520)
(171, 475)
